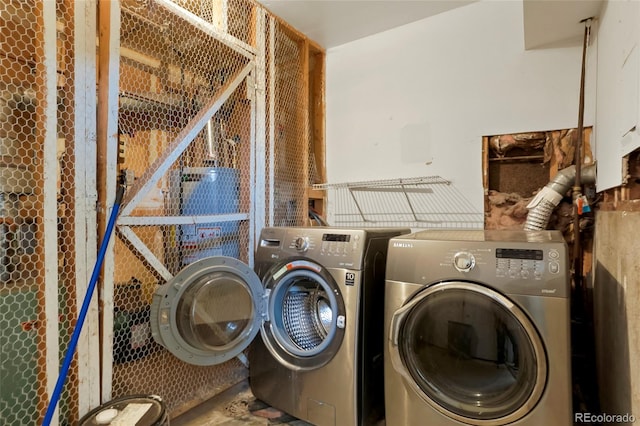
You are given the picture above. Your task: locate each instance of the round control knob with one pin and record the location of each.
(302, 243)
(464, 261)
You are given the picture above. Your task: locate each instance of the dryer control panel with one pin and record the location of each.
(513, 263)
(524, 262)
(520, 263)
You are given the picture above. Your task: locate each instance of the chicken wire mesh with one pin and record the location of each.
(23, 118)
(289, 129)
(171, 70)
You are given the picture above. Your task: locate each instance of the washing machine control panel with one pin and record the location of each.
(302, 244)
(339, 249)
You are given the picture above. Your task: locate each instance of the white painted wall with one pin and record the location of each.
(417, 100)
(618, 90)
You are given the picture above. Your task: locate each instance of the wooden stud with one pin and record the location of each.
(271, 119)
(317, 111)
(304, 124)
(485, 164)
(45, 200)
(106, 170)
(294, 34)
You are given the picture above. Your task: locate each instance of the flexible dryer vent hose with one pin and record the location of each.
(545, 201)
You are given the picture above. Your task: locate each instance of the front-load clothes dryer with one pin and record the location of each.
(316, 299)
(477, 327)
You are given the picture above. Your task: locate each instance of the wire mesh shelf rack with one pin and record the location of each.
(418, 202)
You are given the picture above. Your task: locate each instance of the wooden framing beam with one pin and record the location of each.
(154, 173)
(259, 129)
(304, 122)
(106, 168)
(180, 220)
(141, 247)
(295, 34)
(271, 100)
(85, 195)
(47, 230)
(208, 28)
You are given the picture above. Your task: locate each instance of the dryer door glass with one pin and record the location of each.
(473, 353)
(209, 312)
(306, 314)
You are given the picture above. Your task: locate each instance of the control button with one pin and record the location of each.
(553, 254)
(341, 321)
(537, 274)
(524, 274)
(302, 243)
(513, 273)
(464, 261)
(554, 267)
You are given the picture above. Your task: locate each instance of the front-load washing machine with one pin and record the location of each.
(316, 299)
(477, 327)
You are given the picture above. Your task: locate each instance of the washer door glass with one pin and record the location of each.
(306, 314)
(471, 353)
(209, 312)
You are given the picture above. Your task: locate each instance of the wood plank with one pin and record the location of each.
(304, 121)
(271, 119)
(228, 40)
(240, 125)
(318, 104)
(106, 169)
(72, 258)
(45, 198)
(295, 34)
(259, 130)
(152, 175)
(485, 164)
(80, 42)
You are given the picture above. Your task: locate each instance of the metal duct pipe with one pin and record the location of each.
(545, 201)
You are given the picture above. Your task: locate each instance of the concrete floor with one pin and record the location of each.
(231, 408)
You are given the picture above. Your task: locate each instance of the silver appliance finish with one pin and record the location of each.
(336, 384)
(500, 298)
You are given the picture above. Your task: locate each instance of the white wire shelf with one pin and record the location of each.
(419, 202)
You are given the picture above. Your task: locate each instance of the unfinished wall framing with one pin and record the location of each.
(215, 133)
(184, 89)
(517, 166)
(47, 192)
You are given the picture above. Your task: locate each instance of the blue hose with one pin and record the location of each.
(64, 370)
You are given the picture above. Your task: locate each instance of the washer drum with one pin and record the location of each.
(138, 410)
(307, 317)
